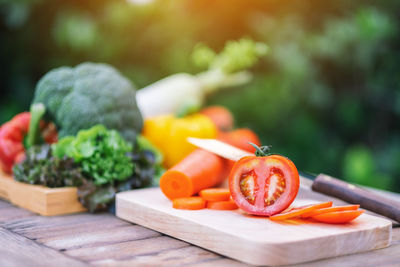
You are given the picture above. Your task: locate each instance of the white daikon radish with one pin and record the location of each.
(174, 92)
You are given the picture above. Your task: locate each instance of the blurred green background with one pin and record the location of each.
(327, 95)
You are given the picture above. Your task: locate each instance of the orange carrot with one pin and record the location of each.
(222, 205)
(215, 194)
(322, 210)
(220, 115)
(189, 203)
(199, 170)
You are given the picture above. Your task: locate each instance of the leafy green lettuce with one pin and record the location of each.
(102, 154)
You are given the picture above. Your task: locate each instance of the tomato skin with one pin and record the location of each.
(263, 166)
(338, 216)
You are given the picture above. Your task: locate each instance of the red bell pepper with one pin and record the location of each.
(11, 140)
(13, 132)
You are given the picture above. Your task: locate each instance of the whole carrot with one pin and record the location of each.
(199, 170)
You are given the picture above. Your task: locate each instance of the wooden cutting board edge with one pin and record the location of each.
(249, 251)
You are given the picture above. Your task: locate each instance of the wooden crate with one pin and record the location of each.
(40, 199)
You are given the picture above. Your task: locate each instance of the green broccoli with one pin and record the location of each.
(87, 95)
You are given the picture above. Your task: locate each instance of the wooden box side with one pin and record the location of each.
(5, 182)
(62, 201)
(39, 199)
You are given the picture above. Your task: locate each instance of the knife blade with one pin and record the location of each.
(323, 183)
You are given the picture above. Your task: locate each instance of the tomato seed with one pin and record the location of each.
(248, 187)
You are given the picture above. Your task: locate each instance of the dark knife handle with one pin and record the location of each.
(356, 195)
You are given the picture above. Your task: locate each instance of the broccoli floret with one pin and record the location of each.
(87, 95)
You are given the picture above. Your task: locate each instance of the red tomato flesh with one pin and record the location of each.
(264, 185)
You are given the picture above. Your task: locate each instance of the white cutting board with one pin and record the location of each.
(255, 240)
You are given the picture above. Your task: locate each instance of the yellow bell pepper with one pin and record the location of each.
(169, 134)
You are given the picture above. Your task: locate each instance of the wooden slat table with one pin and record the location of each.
(27, 239)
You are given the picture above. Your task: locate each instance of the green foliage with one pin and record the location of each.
(330, 81)
(236, 55)
(100, 152)
(359, 167)
(89, 94)
(148, 160)
(41, 167)
(44, 166)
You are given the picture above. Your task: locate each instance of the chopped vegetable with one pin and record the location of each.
(89, 94)
(299, 211)
(322, 210)
(215, 194)
(42, 168)
(12, 136)
(220, 116)
(169, 134)
(264, 184)
(101, 152)
(225, 69)
(222, 205)
(189, 203)
(338, 216)
(199, 170)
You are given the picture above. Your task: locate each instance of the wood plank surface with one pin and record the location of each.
(30, 233)
(16, 250)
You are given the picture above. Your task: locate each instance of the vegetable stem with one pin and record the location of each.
(215, 78)
(37, 111)
(262, 151)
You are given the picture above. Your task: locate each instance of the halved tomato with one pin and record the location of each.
(264, 185)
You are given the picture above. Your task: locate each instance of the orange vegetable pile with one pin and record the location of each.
(321, 212)
(200, 171)
(211, 198)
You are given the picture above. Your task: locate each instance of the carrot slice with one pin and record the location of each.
(198, 170)
(222, 205)
(338, 216)
(215, 194)
(330, 209)
(189, 203)
(296, 212)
